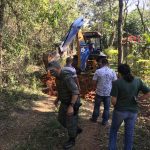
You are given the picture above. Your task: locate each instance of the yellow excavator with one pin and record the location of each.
(87, 49)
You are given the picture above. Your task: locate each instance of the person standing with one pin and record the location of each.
(124, 97)
(102, 80)
(70, 68)
(68, 95)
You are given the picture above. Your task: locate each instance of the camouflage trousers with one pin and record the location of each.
(69, 122)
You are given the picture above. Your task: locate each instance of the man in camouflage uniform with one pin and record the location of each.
(68, 95)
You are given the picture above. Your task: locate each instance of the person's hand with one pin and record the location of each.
(70, 110)
(56, 102)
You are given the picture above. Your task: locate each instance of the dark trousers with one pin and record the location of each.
(69, 122)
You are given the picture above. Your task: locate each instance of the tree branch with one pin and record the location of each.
(16, 15)
(141, 16)
(125, 12)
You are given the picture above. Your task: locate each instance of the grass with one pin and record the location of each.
(49, 135)
(19, 97)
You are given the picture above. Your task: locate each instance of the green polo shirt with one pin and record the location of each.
(126, 93)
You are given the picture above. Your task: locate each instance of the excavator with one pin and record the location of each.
(88, 50)
(88, 47)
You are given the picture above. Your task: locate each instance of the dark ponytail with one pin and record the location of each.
(125, 71)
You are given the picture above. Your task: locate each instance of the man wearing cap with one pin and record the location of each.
(68, 95)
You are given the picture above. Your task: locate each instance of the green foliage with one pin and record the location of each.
(103, 16)
(146, 37)
(133, 23)
(112, 54)
(143, 61)
(32, 28)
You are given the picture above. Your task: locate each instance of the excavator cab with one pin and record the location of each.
(90, 47)
(93, 40)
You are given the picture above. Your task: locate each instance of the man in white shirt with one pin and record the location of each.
(102, 80)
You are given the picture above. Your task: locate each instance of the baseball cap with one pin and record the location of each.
(53, 64)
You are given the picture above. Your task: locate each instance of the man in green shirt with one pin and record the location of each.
(124, 97)
(68, 95)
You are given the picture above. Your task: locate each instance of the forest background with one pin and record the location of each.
(29, 28)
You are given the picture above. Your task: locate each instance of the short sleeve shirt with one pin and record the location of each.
(104, 77)
(72, 69)
(126, 92)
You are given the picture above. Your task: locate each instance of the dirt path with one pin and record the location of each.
(37, 129)
(94, 135)
(17, 125)
(16, 128)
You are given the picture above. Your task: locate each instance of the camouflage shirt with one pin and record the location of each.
(66, 86)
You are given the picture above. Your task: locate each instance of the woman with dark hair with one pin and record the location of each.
(124, 97)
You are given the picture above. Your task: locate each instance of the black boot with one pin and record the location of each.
(79, 130)
(70, 143)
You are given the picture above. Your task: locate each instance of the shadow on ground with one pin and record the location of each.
(30, 123)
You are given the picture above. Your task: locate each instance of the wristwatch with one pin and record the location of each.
(72, 104)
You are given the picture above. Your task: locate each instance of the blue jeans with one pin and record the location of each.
(129, 119)
(106, 101)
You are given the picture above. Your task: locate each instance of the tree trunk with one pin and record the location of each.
(120, 20)
(112, 36)
(2, 5)
(141, 16)
(125, 13)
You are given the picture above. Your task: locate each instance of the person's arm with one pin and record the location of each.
(73, 99)
(113, 100)
(77, 82)
(73, 88)
(70, 109)
(145, 90)
(76, 78)
(114, 93)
